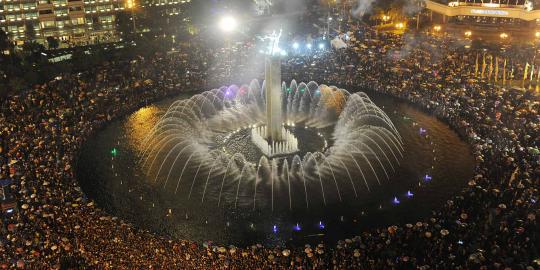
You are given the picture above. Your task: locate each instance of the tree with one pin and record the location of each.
(5, 43)
(30, 31)
(124, 26)
(32, 47)
(52, 43)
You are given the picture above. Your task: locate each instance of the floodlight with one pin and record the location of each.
(228, 24)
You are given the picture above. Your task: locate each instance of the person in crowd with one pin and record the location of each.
(491, 224)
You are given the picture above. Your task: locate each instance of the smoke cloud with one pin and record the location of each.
(412, 7)
(362, 7)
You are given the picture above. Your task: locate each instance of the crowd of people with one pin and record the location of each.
(491, 224)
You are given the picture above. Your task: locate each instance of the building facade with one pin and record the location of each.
(73, 22)
(519, 13)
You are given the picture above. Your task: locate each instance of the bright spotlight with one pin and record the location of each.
(321, 46)
(228, 24)
(309, 46)
(295, 45)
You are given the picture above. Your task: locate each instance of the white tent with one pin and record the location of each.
(338, 43)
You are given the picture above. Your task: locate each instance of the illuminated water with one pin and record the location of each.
(118, 184)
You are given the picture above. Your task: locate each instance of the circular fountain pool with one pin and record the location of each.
(203, 178)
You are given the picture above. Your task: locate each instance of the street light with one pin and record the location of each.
(385, 18)
(468, 34)
(503, 35)
(295, 45)
(400, 25)
(228, 24)
(437, 28)
(130, 4)
(537, 34)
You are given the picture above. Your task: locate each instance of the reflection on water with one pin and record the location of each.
(118, 185)
(139, 125)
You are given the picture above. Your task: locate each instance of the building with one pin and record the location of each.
(516, 13)
(164, 7)
(73, 22)
(70, 21)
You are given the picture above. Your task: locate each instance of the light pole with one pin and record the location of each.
(328, 20)
(130, 4)
(437, 28)
(503, 36)
(228, 24)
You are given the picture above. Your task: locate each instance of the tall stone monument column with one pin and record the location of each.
(272, 78)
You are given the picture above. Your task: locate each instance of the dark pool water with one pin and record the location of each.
(117, 183)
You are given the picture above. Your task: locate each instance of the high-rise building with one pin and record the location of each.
(70, 21)
(78, 22)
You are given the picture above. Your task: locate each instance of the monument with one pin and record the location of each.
(273, 139)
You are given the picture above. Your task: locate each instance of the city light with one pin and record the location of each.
(468, 33)
(228, 24)
(437, 28)
(537, 34)
(503, 35)
(385, 18)
(321, 46)
(400, 25)
(296, 45)
(309, 46)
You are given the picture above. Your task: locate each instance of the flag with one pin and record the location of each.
(496, 69)
(490, 67)
(526, 71)
(504, 71)
(476, 66)
(483, 65)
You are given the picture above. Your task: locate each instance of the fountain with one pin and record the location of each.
(296, 144)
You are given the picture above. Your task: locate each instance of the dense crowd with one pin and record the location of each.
(491, 224)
